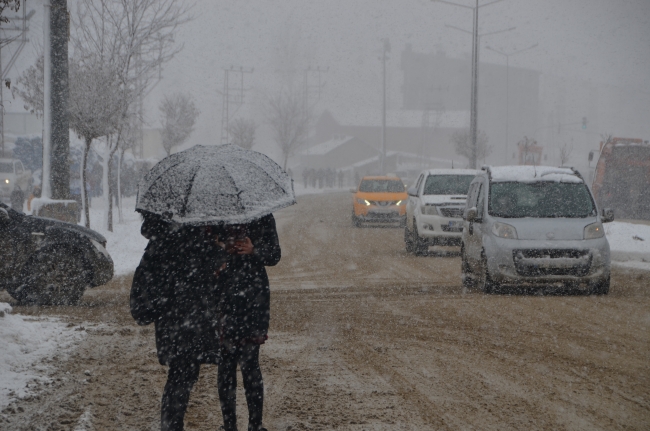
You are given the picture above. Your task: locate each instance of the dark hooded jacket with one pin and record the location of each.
(244, 307)
(179, 266)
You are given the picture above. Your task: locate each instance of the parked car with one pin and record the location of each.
(379, 199)
(435, 207)
(48, 262)
(15, 182)
(534, 225)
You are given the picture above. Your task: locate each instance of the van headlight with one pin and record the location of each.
(594, 230)
(503, 230)
(363, 202)
(429, 210)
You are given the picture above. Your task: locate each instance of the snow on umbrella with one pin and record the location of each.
(213, 185)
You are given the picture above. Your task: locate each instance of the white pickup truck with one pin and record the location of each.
(15, 182)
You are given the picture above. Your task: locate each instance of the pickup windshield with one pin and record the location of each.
(381, 186)
(6, 168)
(447, 184)
(540, 200)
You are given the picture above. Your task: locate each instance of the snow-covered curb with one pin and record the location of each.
(629, 244)
(25, 342)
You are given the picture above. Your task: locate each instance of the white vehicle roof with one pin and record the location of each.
(451, 172)
(531, 174)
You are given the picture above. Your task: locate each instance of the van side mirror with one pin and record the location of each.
(4, 216)
(591, 155)
(412, 191)
(471, 214)
(607, 215)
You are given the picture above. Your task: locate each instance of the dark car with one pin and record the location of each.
(49, 262)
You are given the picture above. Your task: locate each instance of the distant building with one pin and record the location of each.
(423, 134)
(436, 81)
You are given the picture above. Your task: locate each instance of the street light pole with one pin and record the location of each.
(507, 56)
(382, 165)
(474, 99)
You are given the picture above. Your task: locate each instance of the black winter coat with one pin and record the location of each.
(184, 261)
(244, 307)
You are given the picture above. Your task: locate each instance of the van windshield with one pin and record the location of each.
(6, 168)
(447, 184)
(381, 186)
(541, 200)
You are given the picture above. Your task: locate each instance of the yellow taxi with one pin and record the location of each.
(379, 199)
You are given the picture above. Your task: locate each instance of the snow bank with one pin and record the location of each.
(124, 244)
(25, 342)
(629, 243)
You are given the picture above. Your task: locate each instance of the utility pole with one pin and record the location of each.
(232, 95)
(21, 38)
(310, 89)
(386, 49)
(474, 89)
(507, 56)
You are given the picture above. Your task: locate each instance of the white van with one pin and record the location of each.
(534, 225)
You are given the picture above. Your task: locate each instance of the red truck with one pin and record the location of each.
(622, 177)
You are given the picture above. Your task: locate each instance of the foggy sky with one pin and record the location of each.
(603, 41)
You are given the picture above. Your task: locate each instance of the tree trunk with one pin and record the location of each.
(111, 190)
(106, 189)
(84, 193)
(120, 216)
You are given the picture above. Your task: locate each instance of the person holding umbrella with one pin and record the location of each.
(226, 194)
(244, 311)
(174, 287)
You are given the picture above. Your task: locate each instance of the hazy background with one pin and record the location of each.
(603, 42)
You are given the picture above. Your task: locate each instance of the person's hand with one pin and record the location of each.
(244, 246)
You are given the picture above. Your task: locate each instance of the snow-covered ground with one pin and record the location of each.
(24, 343)
(125, 244)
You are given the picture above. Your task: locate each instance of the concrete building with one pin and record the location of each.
(436, 81)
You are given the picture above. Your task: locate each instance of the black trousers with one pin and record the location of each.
(183, 374)
(247, 356)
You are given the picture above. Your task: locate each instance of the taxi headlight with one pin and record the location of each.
(594, 230)
(503, 230)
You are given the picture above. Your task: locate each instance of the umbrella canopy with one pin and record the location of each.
(215, 185)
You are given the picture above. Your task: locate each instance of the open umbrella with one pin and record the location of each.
(214, 185)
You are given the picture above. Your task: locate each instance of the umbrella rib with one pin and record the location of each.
(189, 190)
(158, 177)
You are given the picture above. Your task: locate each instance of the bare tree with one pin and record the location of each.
(95, 108)
(135, 37)
(124, 41)
(463, 146)
(565, 153)
(178, 117)
(12, 5)
(29, 87)
(243, 132)
(290, 123)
